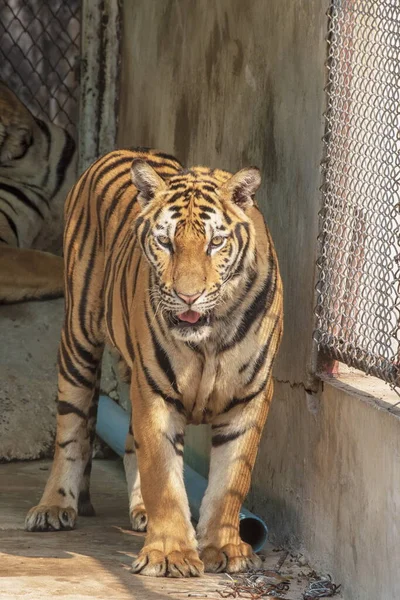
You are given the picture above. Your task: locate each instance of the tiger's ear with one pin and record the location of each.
(242, 186)
(146, 180)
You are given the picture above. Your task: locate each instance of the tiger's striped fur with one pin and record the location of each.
(37, 169)
(179, 273)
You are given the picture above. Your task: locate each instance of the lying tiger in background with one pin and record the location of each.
(37, 169)
(178, 271)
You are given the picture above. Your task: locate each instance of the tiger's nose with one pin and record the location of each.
(188, 298)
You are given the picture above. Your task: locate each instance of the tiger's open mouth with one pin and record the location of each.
(189, 316)
(190, 319)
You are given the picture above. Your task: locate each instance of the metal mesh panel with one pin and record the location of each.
(358, 286)
(39, 56)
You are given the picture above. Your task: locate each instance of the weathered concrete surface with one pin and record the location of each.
(94, 560)
(327, 481)
(230, 84)
(30, 334)
(98, 81)
(28, 378)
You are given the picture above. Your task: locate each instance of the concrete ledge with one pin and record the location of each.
(365, 387)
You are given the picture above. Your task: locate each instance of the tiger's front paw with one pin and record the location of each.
(50, 518)
(232, 558)
(139, 518)
(178, 563)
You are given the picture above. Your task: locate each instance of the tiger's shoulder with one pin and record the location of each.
(37, 169)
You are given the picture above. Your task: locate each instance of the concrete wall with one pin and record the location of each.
(233, 83)
(327, 481)
(230, 84)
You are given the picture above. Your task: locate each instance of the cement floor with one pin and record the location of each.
(92, 561)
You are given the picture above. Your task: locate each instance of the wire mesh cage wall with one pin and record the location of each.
(39, 56)
(358, 284)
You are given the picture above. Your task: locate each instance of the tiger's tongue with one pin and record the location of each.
(190, 316)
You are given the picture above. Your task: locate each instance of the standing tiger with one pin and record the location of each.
(177, 270)
(37, 169)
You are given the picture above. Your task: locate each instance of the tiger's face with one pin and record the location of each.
(16, 126)
(194, 231)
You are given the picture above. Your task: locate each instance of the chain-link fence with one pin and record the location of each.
(39, 56)
(358, 286)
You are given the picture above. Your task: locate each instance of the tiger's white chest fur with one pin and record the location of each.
(209, 380)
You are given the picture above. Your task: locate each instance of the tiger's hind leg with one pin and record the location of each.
(27, 274)
(67, 491)
(137, 510)
(85, 506)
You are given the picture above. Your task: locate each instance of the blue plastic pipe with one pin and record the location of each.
(112, 424)
(112, 427)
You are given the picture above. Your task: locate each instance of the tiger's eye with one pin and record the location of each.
(164, 241)
(218, 240)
